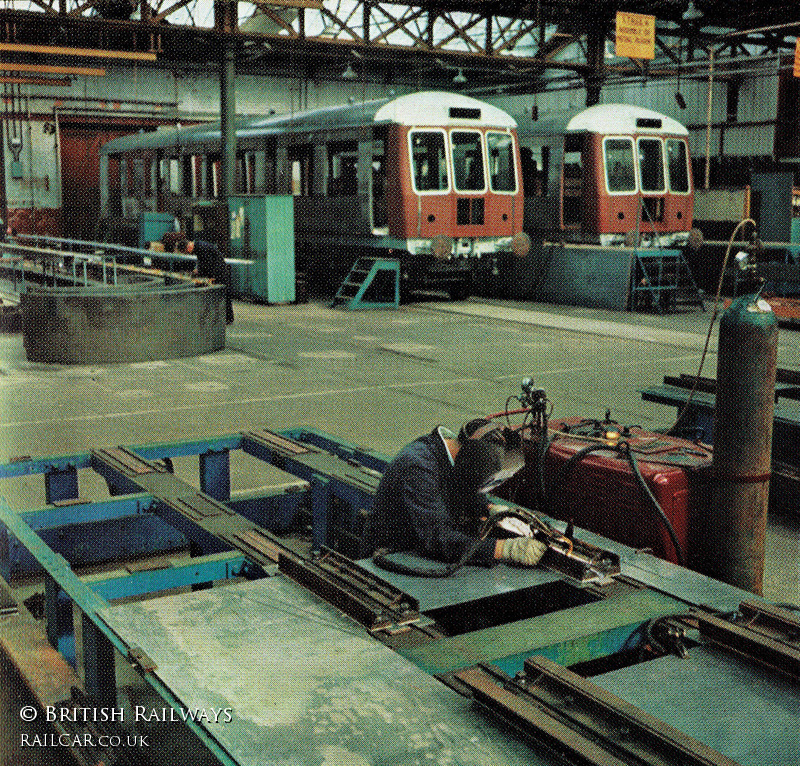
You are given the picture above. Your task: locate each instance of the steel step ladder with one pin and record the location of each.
(663, 281)
(371, 284)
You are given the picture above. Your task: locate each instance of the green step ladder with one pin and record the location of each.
(662, 281)
(373, 283)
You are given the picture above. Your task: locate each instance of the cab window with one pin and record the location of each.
(467, 149)
(651, 164)
(618, 160)
(501, 162)
(678, 165)
(428, 161)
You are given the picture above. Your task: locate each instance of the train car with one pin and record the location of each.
(432, 179)
(624, 171)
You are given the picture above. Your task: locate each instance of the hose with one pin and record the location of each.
(714, 313)
(380, 560)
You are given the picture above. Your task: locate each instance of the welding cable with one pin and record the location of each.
(566, 469)
(380, 559)
(656, 505)
(542, 447)
(687, 404)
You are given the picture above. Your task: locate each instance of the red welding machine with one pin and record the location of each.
(595, 472)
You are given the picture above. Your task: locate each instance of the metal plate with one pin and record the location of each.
(466, 584)
(305, 684)
(745, 712)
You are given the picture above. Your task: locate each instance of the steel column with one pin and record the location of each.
(98, 665)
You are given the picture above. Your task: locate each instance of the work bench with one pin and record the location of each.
(694, 403)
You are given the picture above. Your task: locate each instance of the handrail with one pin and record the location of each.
(101, 267)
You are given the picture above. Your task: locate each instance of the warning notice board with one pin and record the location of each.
(636, 35)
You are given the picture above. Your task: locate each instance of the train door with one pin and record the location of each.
(572, 182)
(430, 178)
(650, 155)
(469, 177)
(80, 176)
(501, 154)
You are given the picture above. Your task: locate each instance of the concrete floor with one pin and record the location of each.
(376, 378)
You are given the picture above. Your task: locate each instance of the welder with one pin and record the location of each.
(432, 501)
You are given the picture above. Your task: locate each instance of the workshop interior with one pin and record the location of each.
(251, 250)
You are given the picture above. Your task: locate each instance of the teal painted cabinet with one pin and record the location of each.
(262, 247)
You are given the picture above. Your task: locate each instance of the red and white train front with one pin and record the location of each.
(453, 177)
(626, 172)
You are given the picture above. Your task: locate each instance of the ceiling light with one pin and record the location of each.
(692, 13)
(349, 73)
(460, 79)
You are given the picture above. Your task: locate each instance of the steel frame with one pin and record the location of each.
(503, 45)
(240, 547)
(231, 543)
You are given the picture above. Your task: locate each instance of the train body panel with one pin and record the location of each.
(430, 178)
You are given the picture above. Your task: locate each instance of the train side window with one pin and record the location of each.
(502, 177)
(428, 161)
(618, 160)
(467, 149)
(184, 180)
(678, 165)
(342, 169)
(137, 178)
(651, 164)
(301, 164)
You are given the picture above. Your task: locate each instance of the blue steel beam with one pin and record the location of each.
(91, 533)
(76, 513)
(203, 569)
(101, 637)
(159, 450)
(373, 459)
(25, 466)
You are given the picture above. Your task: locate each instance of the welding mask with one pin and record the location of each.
(489, 455)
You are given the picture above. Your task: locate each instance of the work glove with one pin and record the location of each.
(526, 551)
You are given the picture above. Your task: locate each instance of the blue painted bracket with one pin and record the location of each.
(61, 484)
(215, 474)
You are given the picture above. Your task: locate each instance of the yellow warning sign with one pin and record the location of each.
(636, 35)
(797, 58)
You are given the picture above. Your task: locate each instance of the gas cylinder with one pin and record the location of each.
(731, 547)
